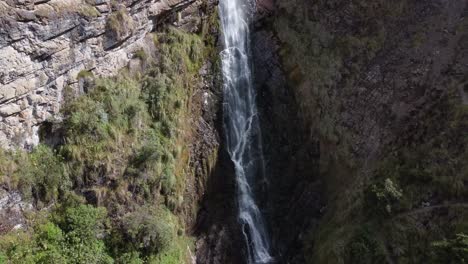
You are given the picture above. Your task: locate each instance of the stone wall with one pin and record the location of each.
(46, 44)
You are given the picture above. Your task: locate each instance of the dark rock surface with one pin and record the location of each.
(344, 85)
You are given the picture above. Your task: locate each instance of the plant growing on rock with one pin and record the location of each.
(384, 197)
(119, 25)
(151, 230)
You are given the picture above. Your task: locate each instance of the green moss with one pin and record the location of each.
(141, 54)
(88, 10)
(85, 74)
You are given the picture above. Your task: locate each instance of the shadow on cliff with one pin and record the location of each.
(217, 228)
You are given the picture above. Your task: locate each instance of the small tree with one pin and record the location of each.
(383, 198)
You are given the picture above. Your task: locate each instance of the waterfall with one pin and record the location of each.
(241, 124)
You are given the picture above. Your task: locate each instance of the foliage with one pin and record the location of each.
(452, 250)
(384, 197)
(85, 74)
(364, 248)
(151, 230)
(119, 24)
(130, 258)
(40, 174)
(101, 128)
(88, 10)
(141, 54)
(125, 143)
(77, 241)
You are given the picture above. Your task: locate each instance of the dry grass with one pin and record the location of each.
(60, 8)
(4, 8)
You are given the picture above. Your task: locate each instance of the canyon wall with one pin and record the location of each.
(53, 52)
(364, 108)
(47, 48)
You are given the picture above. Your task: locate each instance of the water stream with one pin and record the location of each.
(241, 124)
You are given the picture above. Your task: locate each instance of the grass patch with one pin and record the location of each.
(119, 24)
(125, 149)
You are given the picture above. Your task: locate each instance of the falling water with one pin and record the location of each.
(242, 125)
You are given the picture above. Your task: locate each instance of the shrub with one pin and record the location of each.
(84, 227)
(364, 248)
(40, 174)
(74, 240)
(50, 244)
(150, 230)
(85, 74)
(101, 128)
(88, 10)
(141, 54)
(383, 198)
(451, 250)
(46, 169)
(119, 24)
(130, 258)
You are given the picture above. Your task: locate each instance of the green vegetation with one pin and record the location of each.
(85, 74)
(74, 239)
(365, 248)
(383, 198)
(125, 151)
(88, 10)
(141, 54)
(415, 196)
(452, 251)
(119, 24)
(39, 175)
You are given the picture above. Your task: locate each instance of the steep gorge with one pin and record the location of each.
(361, 104)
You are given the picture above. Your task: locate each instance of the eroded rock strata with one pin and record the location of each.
(45, 45)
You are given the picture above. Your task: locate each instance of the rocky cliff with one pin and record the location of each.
(363, 106)
(45, 45)
(123, 98)
(365, 110)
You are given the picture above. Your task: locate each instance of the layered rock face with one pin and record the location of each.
(50, 52)
(45, 45)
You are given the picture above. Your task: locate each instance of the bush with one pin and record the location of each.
(364, 248)
(452, 250)
(85, 228)
(119, 24)
(150, 230)
(384, 198)
(50, 243)
(40, 174)
(130, 258)
(101, 128)
(76, 239)
(46, 169)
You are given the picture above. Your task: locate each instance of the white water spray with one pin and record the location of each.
(242, 125)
